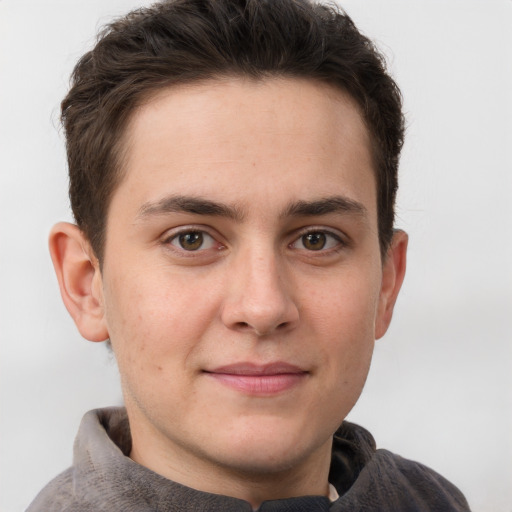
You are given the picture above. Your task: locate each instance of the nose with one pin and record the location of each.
(260, 297)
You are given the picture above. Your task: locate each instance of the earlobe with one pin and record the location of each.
(393, 273)
(79, 279)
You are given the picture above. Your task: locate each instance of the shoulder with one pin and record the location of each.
(57, 496)
(383, 481)
(85, 486)
(418, 484)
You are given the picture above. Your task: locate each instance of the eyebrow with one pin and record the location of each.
(201, 206)
(189, 204)
(324, 206)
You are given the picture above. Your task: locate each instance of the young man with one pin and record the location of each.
(233, 171)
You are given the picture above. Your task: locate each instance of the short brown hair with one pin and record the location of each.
(180, 41)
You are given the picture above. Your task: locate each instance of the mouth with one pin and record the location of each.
(254, 379)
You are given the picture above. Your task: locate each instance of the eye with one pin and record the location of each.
(317, 241)
(193, 240)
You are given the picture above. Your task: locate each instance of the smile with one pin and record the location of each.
(259, 380)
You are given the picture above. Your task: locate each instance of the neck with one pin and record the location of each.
(254, 484)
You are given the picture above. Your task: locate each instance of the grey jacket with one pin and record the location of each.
(104, 478)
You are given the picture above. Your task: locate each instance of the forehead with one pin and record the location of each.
(239, 138)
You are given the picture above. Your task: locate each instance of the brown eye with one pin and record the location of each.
(314, 241)
(192, 240)
(318, 241)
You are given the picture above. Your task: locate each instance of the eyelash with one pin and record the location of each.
(340, 242)
(168, 240)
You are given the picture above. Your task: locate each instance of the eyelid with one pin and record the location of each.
(340, 237)
(172, 234)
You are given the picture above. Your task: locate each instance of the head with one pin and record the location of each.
(233, 171)
(188, 41)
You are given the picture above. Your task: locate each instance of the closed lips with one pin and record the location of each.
(259, 379)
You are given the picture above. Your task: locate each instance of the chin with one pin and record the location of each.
(260, 462)
(270, 447)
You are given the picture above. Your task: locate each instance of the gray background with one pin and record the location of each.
(440, 390)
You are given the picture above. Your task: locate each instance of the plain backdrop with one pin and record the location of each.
(440, 388)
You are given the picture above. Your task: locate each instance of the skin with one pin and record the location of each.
(245, 165)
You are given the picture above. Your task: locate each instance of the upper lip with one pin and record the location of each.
(248, 368)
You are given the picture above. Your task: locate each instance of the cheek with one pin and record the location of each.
(345, 326)
(347, 307)
(155, 319)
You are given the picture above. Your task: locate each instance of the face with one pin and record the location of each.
(241, 282)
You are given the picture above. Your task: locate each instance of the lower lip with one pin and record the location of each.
(260, 384)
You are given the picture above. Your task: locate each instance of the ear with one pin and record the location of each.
(393, 273)
(79, 277)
